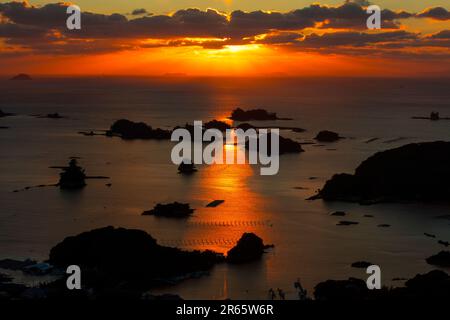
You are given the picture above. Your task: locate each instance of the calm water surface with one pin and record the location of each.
(309, 245)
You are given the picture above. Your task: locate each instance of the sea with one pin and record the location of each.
(373, 114)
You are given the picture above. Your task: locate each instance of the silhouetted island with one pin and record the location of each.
(5, 114)
(72, 177)
(254, 114)
(442, 259)
(327, 136)
(432, 286)
(250, 247)
(286, 145)
(186, 168)
(414, 172)
(245, 126)
(434, 116)
(21, 76)
(114, 259)
(216, 124)
(170, 210)
(346, 223)
(55, 115)
(127, 129)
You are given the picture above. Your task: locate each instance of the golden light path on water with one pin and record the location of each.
(242, 211)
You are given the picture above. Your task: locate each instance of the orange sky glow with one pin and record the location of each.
(416, 45)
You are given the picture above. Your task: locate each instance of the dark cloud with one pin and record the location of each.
(438, 13)
(195, 22)
(12, 30)
(282, 38)
(364, 3)
(138, 12)
(444, 34)
(354, 39)
(43, 29)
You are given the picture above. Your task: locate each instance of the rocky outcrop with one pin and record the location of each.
(5, 114)
(186, 168)
(327, 136)
(341, 290)
(338, 213)
(286, 145)
(216, 124)
(289, 146)
(254, 114)
(250, 247)
(170, 210)
(127, 129)
(346, 223)
(442, 259)
(414, 172)
(245, 126)
(72, 177)
(432, 286)
(112, 257)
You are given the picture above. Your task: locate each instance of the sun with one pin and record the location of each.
(240, 48)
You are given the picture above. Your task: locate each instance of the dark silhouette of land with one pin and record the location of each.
(442, 259)
(434, 116)
(72, 177)
(327, 136)
(250, 247)
(186, 168)
(127, 129)
(414, 172)
(286, 145)
(125, 263)
(239, 114)
(5, 114)
(171, 210)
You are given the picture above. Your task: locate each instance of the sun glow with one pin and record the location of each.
(240, 48)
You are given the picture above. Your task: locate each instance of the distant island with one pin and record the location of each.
(255, 114)
(416, 172)
(21, 76)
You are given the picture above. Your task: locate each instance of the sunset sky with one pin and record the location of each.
(226, 38)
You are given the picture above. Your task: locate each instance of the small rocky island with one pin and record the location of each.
(186, 168)
(72, 177)
(127, 129)
(170, 210)
(127, 260)
(250, 247)
(327, 136)
(286, 145)
(5, 114)
(434, 116)
(442, 259)
(216, 124)
(21, 76)
(126, 263)
(254, 114)
(417, 172)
